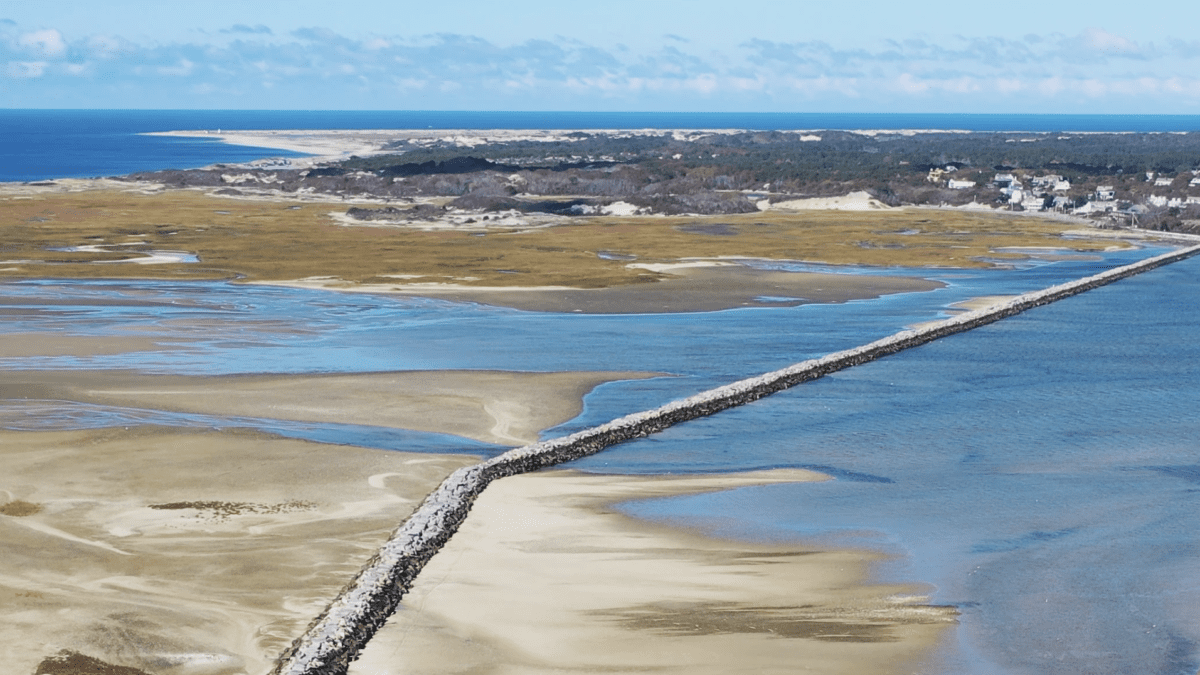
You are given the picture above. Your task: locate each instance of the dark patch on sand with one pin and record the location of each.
(214, 510)
(74, 663)
(19, 508)
(724, 618)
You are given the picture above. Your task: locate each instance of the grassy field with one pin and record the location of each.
(280, 240)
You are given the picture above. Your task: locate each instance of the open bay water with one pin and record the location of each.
(1042, 473)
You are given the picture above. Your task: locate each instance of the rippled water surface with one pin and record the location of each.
(1040, 473)
(1043, 473)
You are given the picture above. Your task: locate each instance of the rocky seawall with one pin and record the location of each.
(335, 638)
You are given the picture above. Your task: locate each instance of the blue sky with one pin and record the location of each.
(636, 55)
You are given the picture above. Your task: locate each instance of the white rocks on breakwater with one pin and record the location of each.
(335, 638)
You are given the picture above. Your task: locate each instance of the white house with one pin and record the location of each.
(1031, 202)
(1105, 193)
(1163, 181)
(1161, 200)
(960, 184)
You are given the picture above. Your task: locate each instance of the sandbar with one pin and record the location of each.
(175, 551)
(547, 577)
(501, 407)
(687, 289)
(22, 345)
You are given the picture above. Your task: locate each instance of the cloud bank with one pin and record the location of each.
(252, 66)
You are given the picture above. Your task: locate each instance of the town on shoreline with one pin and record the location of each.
(1149, 181)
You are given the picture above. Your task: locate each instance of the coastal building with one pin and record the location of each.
(1163, 200)
(1033, 202)
(960, 184)
(1105, 193)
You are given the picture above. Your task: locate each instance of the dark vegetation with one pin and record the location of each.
(719, 173)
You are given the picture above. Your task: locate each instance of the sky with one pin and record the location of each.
(1017, 56)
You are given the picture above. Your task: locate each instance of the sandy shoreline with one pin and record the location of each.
(185, 551)
(501, 407)
(545, 577)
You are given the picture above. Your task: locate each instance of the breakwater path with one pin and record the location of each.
(335, 637)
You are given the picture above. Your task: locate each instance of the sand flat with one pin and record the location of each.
(502, 407)
(186, 551)
(699, 288)
(22, 345)
(545, 577)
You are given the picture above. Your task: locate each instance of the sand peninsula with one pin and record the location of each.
(163, 550)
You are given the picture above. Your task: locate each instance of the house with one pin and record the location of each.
(1046, 181)
(1192, 199)
(1062, 185)
(1105, 193)
(1163, 181)
(1032, 202)
(1093, 207)
(1161, 200)
(1004, 180)
(960, 184)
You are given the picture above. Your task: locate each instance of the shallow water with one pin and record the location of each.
(1039, 473)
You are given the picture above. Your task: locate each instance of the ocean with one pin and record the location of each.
(1040, 474)
(45, 144)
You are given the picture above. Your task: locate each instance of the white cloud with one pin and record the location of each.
(47, 44)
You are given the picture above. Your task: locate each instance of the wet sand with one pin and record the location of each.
(546, 577)
(186, 552)
(689, 289)
(506, 408)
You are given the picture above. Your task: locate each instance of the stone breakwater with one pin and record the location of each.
(335, 638)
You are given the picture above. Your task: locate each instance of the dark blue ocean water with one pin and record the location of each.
(45, 144)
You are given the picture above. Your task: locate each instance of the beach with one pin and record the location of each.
(186, 551)
(504, 408)
(547, 576)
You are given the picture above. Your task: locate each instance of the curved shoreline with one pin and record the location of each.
(336, 637)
